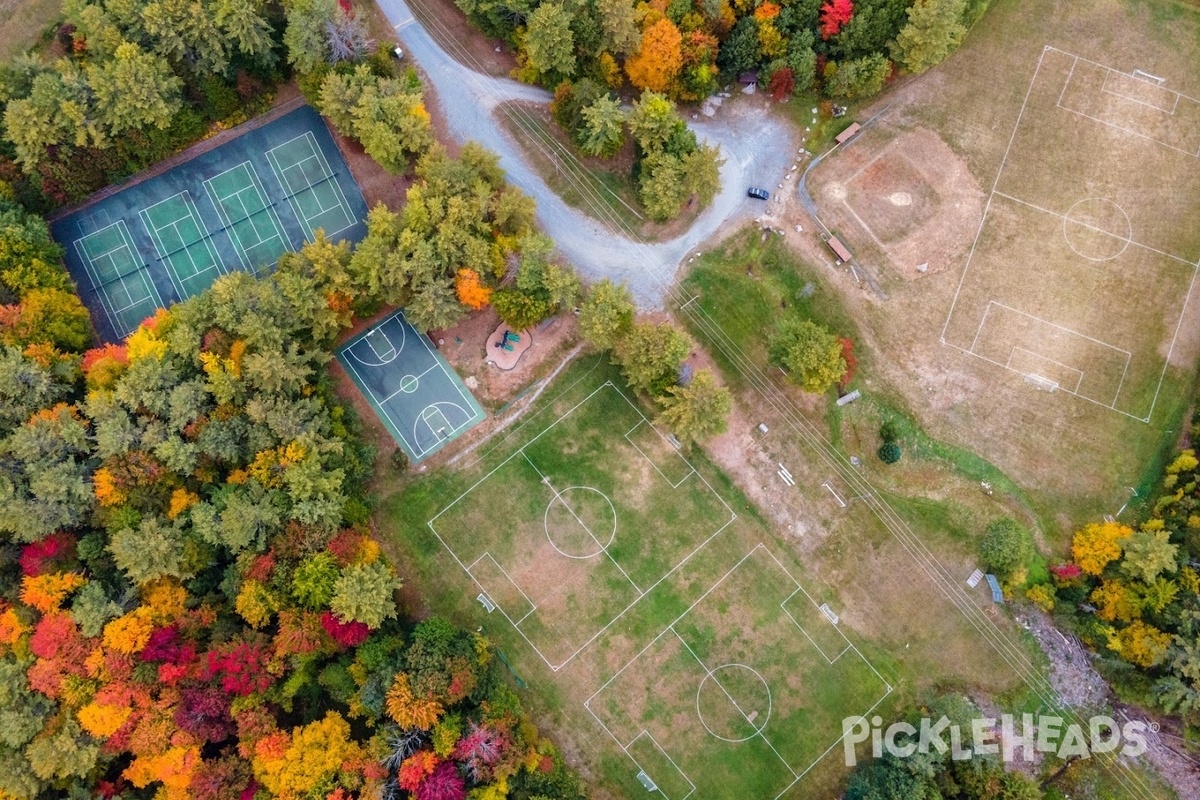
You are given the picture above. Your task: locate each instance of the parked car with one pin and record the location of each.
(761, 194)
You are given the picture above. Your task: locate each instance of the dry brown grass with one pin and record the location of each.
(1075, 458)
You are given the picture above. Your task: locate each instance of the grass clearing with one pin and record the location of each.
(1062, 168)
(667, 514)
(546, 147)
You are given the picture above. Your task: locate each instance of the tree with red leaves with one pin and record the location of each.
(835, 14)
(783, 81)
(241, 668)
(444, 784)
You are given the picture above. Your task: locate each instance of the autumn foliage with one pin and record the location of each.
(657, 62)
(834, 15)
(470, 290)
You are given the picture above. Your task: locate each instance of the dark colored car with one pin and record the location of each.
(761, 194)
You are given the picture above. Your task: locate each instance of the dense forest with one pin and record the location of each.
(1132, 592)
(687, 48)
(191, 604)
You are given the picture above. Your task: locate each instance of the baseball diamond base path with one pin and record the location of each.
(758, 150)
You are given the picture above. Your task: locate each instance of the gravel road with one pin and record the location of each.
(758, 150)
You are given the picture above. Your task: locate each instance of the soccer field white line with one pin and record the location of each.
(670, 628)
(691, 469)
(1109, 71)
(710, 675)
(991, 194)
(1065, 219)
(603, 548)
(783, 608)
(1003, 644)
(1130, 98)
(667, 756)
(521, 452)
(1078, 382)
(983, 222)
(487, 554)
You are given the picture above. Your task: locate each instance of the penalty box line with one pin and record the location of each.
(670, 628)
(633, 444)
(532, 605)
(1124, 371)
(520, 451)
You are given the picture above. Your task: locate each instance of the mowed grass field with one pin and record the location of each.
(616, 643)
(1075, 263)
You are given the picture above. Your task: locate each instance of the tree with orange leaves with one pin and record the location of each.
(656, 64)
(471, 292)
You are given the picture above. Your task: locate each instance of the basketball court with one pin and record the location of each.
(411, 388)
(239, 206)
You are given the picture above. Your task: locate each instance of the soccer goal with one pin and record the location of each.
(1043, 384)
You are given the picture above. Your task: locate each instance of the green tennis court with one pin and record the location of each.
(240, 199)
(233, 206)
(312, 191)
(183, 243)
(122, 282)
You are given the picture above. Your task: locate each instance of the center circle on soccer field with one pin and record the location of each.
(1097, 229)
(733, 703)
(581, 522)
(409, 384)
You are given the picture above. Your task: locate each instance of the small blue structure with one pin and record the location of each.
(997, 593)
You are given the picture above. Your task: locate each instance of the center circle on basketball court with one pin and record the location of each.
(581, 522)
(1097, 229)
(409, 384)
(733, 703)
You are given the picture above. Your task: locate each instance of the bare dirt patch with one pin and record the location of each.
(907, 191)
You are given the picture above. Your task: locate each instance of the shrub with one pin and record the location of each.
(889, 453)
(1006, 547)
(889, 431)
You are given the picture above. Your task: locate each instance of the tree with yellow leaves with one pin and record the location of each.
(408, 710)
(312, 759)
(1097, 545)
(1142, 644)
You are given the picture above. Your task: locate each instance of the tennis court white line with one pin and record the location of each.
(205, 239)
(255, 183)
(99, 287)
(328, 179)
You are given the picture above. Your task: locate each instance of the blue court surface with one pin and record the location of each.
(410, 386)
(236, 207)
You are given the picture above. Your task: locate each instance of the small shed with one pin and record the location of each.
(848, 134)
(839, 249)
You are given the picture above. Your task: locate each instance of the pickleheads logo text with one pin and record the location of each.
(1000, 737)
